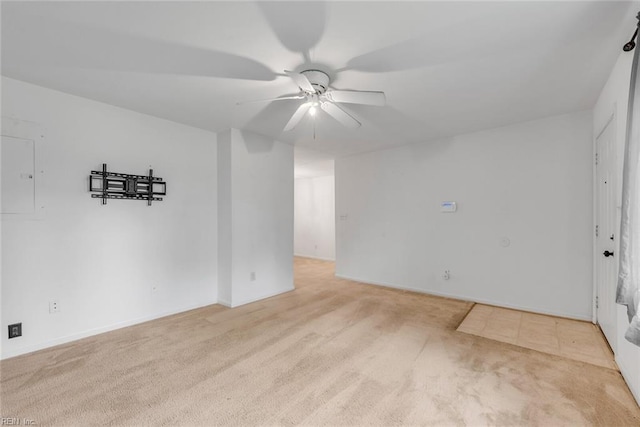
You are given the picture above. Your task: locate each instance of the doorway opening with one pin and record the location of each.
(314, 210)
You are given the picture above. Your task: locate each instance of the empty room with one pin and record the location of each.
(260, 213)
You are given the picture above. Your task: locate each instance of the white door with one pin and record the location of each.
(606, 234)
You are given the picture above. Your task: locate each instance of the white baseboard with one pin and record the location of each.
(74, 337)
(225, 303)
(315, 257)
(626, 375)
(466, 298)
(258, 298)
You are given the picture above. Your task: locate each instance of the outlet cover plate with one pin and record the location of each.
(54, 306)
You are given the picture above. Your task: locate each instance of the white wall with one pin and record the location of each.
(101, 262)
(259, 181)
(529, 182)
(614, 98)
(314, 218)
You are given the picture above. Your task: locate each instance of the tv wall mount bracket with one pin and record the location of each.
(112, 185)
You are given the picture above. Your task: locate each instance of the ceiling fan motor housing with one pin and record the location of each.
(318, 79)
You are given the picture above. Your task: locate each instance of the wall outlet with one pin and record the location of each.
(54, 306)
(446, 275)
(253, 276)
(15, 330)
(154, 289)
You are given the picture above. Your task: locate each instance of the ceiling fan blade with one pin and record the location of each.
(357, 97)
(62, 43)
(340, 115)
(297, 116)
(289, 22)
(280, 98)
(301, 80)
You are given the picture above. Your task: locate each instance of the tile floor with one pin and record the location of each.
(573, 339)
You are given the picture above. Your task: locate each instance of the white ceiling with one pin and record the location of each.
(446, 67)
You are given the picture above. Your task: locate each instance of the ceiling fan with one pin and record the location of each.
(314, 89)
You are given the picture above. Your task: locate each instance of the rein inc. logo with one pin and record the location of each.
(15, 421)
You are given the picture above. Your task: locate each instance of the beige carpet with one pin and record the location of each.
(574, 339)
(332, 352)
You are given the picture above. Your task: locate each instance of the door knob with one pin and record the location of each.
(607, 253)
